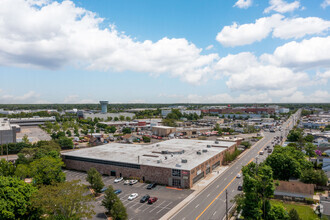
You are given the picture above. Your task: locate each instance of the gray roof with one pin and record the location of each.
(151, 154)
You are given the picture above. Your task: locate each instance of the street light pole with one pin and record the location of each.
(226, 205)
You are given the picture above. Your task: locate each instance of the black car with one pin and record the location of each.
(144, 198)
(239, 188)
(151, 185)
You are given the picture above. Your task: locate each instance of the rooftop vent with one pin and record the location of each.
(184, 161)
(178, 165)
(157, 145)
(217, 142)
(208, 146)
(199, 153)
(159, 161)
(204, 150)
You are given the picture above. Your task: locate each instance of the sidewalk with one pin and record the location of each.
(198, 188)
(202, 184)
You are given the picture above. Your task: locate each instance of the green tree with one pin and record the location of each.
(309, 138)
(110, 129)
(15, 198)
(277, 212)
(6, 168)
(22, 171)
(67, 200)
(128, 118)
(116, 119)
(310, 150)
(121, 118)
(146, 139)
(47, 170)
(113, 205)
(317, 177)
(65, 142)
(68, 133)
(95, 179)
(293, 214)
(126, 130)
(25, 139)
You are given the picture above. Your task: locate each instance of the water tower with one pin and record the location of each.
(104, 106)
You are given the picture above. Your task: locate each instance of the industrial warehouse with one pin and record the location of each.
(176, 162)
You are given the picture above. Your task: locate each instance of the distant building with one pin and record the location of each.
(105, 116)
(104, 106)
(7, 132)
(163, 131)
(31, 121)
(284, 110)
(294, 189)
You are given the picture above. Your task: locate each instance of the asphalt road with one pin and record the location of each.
(211, 203)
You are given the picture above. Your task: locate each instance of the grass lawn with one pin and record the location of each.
(305, 212)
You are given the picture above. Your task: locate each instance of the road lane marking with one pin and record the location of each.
(165, 207)
(208, 195)
(214, 213)
(227, 185)
(197, 206)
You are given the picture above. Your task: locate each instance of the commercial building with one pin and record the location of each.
(31, 121)
(163, 131)
(240, 110)
(177, 162)
(104, 116)
(7, 132)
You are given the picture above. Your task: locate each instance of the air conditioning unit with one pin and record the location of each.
(178, 165)
(208, 146)
(217, 142)
(204, 150)
(184, 160)
(199, 153)
(159, 161)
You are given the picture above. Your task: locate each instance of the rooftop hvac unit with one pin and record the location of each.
(204, 150)
(157, 145)
(159, 161)
(184, 161)
(208, 146)
(178, 165)
(217, 142)
(164, 152)
(199, 153)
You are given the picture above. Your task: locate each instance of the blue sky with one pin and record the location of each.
(224, 51)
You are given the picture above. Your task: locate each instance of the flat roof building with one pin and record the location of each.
(177, 162)
(163, 131)
(7, 132)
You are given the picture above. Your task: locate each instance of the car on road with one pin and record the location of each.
(239, 175)
(152, 200)
(151, 186)
(117, 180)
(239, 188)
(133, 196)
(126, 182)
(144, 198)
(261, 153)
(117, 191)
(132, 182)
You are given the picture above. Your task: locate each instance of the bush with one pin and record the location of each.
(309, 201)
(146, 139)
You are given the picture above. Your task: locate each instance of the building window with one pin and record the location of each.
(176, 172)
(176, 182)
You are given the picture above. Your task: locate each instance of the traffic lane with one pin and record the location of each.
(205, 211)
(202, 201)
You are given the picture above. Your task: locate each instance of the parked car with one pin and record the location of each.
(151, 185)
(126, 182)
(144, 198)
(269, 151)
(117, 180)
(104, 189)
(239, 175)
(132, 182)
(261, 153)
(133, 196)
(152, 200)
(239, 188)
(117, 191)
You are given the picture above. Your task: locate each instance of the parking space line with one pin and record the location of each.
(156, 206)
(165, 207)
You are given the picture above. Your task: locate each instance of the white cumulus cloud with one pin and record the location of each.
(325, 3)
(282, 6)
(278, 25)
(57, 34)
(243, 4)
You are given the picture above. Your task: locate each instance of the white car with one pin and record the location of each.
(117, 180)
(133, 196)
(132, 182)
(239, 175)
(126, 182)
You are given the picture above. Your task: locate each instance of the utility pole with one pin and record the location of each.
(226, 205)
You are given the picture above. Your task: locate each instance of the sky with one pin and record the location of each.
(147, 51)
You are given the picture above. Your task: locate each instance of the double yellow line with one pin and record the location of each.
(227, 185)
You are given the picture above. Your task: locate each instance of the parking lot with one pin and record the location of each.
(167, 197)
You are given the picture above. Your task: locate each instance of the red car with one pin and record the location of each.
(152, 200)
